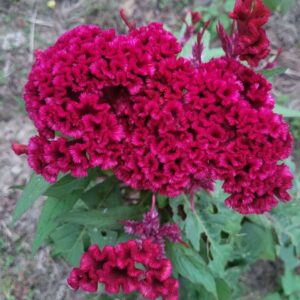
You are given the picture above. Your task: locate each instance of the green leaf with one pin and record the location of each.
(104, 218)
(228, 5)
(33, 190)
(66, 185)
(290, 283)
(273, 72)
(189, 290)
(287, 254)
(191, 266)
(52, 208)
(107, 191)
(68, 241)
(205, 221)
(252, 250)
(273, 296)
(162, 201)
(224, 291)
(102, 238)
(193, 229)
(233, 276)
(286, 112)
(272, 4)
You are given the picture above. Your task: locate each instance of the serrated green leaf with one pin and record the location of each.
(190, 265)
(33, 190)
(214, 224)
(52, 208)
(286, 112)
(104, 218)
(209, 223)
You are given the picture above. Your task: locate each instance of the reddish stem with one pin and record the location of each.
(192, 201)
(130, 24)
(198, 47)
(201, 33)
(153, 201)
(232, 28)
(186, 245)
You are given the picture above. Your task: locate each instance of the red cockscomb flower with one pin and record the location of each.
(161, 123)
(252, 43)
(116, 269)
(245, 139)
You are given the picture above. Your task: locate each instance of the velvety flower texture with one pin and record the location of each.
(128, 267)
(161, 151)
(251, 42)
(244, 138)
(78, 86)
(115, 101)
(161, 122)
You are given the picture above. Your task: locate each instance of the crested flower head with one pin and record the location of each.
(245, 139)
(161, 122)
(128, 267)
(252, 43)
(79, 89)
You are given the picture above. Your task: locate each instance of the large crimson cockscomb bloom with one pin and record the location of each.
(128, 267)
(78, 86)
(115, 101)
(160, 122)
(245, 139)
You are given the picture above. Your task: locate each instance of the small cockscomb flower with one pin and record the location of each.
(130, 266)
(49, 157)
(150, 229)
(252, 43)
(19, 149)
